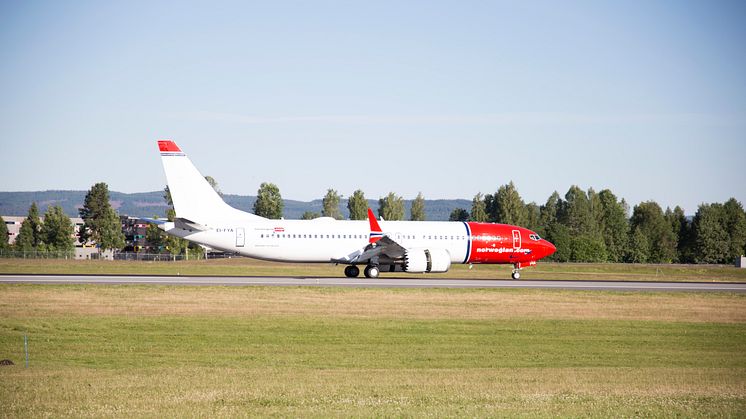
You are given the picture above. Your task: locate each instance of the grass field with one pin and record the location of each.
(236, 351)
(251, 267)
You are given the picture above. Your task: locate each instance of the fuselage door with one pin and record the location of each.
(240, 237)
(516, 239)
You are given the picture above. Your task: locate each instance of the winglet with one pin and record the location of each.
(375, 230)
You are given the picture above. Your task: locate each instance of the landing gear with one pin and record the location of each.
(352, 271)
(516, 271)
(372, 271)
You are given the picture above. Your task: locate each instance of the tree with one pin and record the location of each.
(459, 214)
(478, 209)
(548, 212)
(576, 213)
(614, 225)
(3, 235)
(559, 235)
(209, 179)
(57, 230)
(553, 230)
(358, 206)
(587, 248)
(330, 205)
(533, 218)
(310, 215)
(156, 238)
(711, 241)
(25, 239)
(734, 219)
(29, 236)
(176, 245)
(489, 206)
(649, 220)
(508, 206)
(685, 244)
(167, 197)
(417, 211)
(268, 202)
(677, 221)
(638, 250)
(391, 207)
(214, 184)
(100, 222)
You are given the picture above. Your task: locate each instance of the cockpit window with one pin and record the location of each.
(534, 237)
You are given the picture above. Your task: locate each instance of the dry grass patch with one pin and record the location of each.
(155, 351)
(108, 300)
(191, 392)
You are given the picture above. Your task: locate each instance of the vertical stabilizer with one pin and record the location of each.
(193, 197)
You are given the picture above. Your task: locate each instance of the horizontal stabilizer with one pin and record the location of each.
(156, 221)
(185, 224)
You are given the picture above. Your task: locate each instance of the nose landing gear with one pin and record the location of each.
(516, 272)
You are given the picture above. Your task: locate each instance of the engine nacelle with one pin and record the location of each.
(426, 260)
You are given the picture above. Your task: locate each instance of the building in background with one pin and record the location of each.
(14, 227)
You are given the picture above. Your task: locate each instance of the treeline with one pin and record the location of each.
(585, 226)
(269, 204)
(590, 226)
(55, 233)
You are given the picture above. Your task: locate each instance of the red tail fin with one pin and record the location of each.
(375, 230)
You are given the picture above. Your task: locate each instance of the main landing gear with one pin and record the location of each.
(352, 271)
(371, 271)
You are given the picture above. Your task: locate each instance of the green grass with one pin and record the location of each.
(251, 267)
(177, 352)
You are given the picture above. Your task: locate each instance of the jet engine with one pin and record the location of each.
(426, 260)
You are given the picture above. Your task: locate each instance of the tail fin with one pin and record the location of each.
(375, 230)
(194, 199)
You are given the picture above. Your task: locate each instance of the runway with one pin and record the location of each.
(374, 283)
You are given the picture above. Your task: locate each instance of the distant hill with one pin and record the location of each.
(151, 204)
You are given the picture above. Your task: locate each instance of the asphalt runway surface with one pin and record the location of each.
(383, 282)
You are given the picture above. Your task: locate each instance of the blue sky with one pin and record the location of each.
(647, 98)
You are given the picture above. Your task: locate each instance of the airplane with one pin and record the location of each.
(204, 218)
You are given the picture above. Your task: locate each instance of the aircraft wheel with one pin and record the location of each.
(516, 275)
(352, 271)
(372, 272)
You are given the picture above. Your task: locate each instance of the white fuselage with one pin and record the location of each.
(325, 239)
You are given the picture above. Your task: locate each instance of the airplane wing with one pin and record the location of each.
(383, 247)
(379, 244)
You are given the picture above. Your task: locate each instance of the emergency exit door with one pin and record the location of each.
(240, 237)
